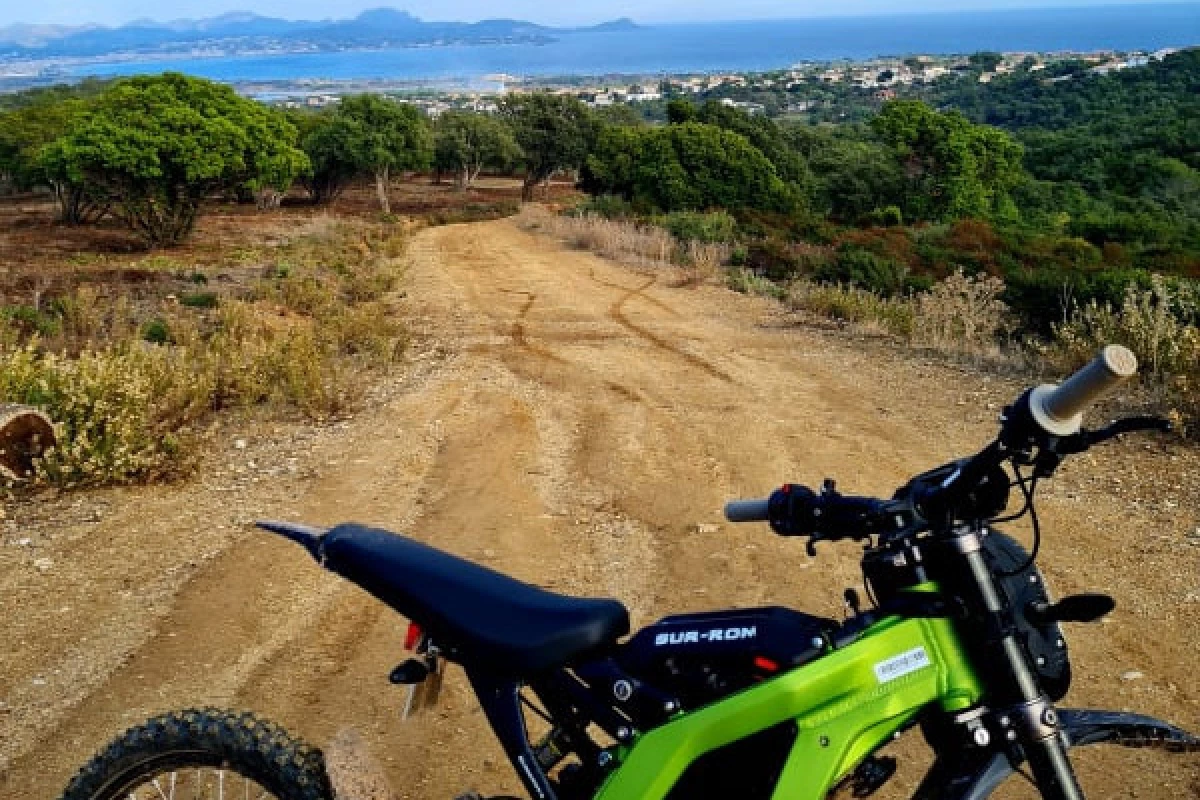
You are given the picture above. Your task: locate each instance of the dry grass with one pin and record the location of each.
(620, 240)
(1159, 325)
(704, 261)
(131, 384)
(865, 311)
(633, 243)
(962, 315)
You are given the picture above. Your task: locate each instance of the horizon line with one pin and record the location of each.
(840, 14)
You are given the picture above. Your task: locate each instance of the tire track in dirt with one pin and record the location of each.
(617, 312)
(661, 306)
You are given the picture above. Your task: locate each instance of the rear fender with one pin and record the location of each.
(954, 777)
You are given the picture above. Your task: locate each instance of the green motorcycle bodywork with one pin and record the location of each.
(845, 705)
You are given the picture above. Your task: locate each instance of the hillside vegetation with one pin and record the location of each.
(1028, 216)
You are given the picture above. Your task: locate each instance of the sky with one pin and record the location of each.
(116, 12)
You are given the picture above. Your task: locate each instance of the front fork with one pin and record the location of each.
(1026, 714)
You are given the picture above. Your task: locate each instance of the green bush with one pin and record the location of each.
(712, 227)
(1045, 297)
(866, 270)
(29, 320)
(200, 300)
(774, 259)
(888, 216)
(156, 331)
(748, 282)
(609, 206)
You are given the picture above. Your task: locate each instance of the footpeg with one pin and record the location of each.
(871, 775)
(1076, 608)
(423, 677)
(409, 673)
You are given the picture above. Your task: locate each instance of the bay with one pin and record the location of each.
(712, 47)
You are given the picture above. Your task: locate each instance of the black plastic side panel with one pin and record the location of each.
(699, 658)
(780, 634)
(747, 769)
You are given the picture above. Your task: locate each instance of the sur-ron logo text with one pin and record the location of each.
(712, 635)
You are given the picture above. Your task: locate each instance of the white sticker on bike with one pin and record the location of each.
(901, 665)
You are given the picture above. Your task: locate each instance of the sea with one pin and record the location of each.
(716, 47)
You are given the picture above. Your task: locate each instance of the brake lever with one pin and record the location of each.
(1070, 445)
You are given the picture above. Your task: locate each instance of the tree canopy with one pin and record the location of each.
(467, 142)
(376, 136)
(685, 166)
(953, 168)
(156, 146)
(552, 130)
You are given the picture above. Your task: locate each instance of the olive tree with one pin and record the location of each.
(157, 146)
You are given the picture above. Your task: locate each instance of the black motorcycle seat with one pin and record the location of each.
(476, 615)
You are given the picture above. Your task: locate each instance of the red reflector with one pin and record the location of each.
(413, 636)
(765, 664)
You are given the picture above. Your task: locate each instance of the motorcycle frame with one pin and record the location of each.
(844, 705)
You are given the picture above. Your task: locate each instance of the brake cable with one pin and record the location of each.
(1028, 488)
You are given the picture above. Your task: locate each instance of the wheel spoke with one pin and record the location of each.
(172, 785)
(158, 788)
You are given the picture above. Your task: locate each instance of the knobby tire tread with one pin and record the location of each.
(207, 737)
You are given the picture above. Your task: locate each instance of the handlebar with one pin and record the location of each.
(799, 511)
(1059, 409)
(1046, 419)
(747, 510)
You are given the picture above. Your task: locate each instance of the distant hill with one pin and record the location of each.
(242, 31)
(36, 35)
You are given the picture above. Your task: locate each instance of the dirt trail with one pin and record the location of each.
(578, 425)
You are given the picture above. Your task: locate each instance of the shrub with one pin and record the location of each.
(774, 259)
(962, 313)
(704, 261)
(30, 320)
(111, 408)
(200, 300)
(864, 269)
(609, 206)
(156, 331)
(1157, 324)
(888, 216)
(129, 393)
(748, 282)
(716, 226)
(860, 307)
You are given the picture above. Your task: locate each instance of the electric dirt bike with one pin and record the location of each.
(960, 640)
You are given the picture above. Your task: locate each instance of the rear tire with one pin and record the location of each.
(203, 740)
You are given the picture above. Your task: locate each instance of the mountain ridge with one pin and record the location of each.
(376, 27)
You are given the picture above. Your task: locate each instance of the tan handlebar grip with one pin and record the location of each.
(748, 510)
(1059, 409)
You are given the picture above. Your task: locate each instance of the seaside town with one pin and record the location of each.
(880, 77)
(799, 85)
